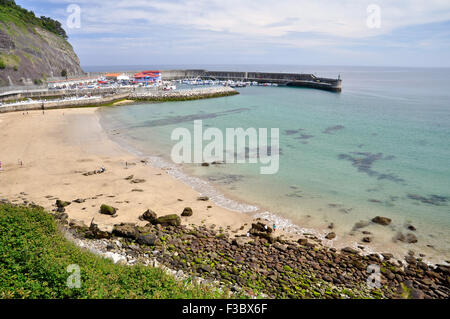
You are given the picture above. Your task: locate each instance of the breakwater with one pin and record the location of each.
(284, 79)
(99, 97)
(62, 104)
(46, 93)
(287, 79)
(191, 94)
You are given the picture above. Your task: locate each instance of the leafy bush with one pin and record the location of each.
(34, 256)
(10, 9)
(2, 65)
(53, 26)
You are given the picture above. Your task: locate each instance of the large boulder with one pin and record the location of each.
(387, 256)
(381, 220)
(330, 236)
(261, 227)
(147, 239)
(350, 250)
(61, 203)
(410, 259)
(126, 230)
(262, 231)
(149, 216)
(61, 209)
(108, 210)
(169, 220)
(187, 212)
(240, 241)
(263, 235)
(97, 233)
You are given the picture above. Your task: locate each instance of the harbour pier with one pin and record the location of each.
(284, 79)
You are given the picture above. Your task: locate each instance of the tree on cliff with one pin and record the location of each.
(53, 26)
(10, 8)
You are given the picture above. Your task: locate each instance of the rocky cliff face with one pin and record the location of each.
(30, 55)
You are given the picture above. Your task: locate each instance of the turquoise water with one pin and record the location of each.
(381, 147)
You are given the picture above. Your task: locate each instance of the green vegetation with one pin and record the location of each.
(34, 258)
(10, 11)
(107, 210)
(9, 60)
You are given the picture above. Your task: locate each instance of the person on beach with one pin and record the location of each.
(274, 227)
(102, 169)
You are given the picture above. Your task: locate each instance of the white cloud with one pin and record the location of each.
(320, 30)
(263, 18)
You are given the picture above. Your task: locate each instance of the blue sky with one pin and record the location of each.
(299, 32)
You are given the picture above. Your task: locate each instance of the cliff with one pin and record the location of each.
(32, 49)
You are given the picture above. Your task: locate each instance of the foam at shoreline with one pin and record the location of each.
(201, 186)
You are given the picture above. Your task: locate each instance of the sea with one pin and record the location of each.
(381, 147)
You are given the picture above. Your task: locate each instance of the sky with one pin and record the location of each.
(403, 33)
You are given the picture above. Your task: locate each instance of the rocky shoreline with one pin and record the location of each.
(182, 95)
(260, 263)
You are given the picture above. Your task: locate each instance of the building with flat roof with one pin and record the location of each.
(148, 77)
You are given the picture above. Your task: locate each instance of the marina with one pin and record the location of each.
(153, 85)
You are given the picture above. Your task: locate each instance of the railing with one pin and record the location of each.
(22, 88)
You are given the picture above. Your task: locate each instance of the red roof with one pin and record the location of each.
(143, 74)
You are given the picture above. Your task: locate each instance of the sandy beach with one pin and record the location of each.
(44, 157)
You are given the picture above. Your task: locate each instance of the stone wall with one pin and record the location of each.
(63, 104)
(145, 94)
(43, 93)
(149, 94)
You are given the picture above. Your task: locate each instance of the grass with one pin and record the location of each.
(34, 257)
(10, 60)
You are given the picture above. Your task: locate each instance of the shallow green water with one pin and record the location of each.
(381, 147)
